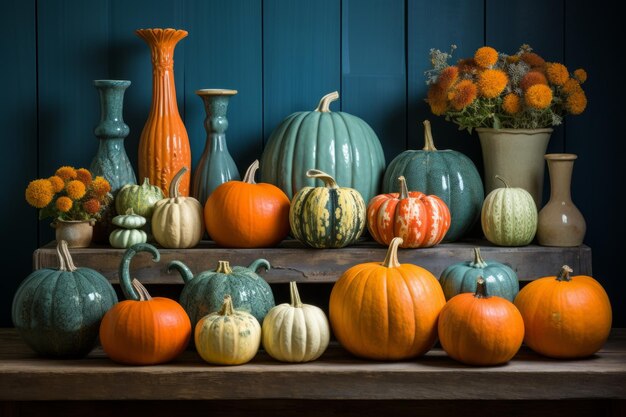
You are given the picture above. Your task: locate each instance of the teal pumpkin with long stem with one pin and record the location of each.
(461, 277)
(338, 143)
(204, 293)
(448, 174)
(57, 312)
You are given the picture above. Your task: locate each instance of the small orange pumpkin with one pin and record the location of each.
(565, 316)
(478, 329)
(420, 220)
(388, 310)
(244, 214)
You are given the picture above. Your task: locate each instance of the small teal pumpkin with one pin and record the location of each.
(57, 312)
(461, 277)
(448, 174)
(204, 293)
(338, 143)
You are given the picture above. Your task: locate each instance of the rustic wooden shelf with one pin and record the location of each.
(291, 261)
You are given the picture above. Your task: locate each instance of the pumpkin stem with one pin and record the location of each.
(564, 273)
(481, 288)
(328, 180)
(506, 185)
(146, 182)
(65, 259)
(478, 260)
(227, 306)
(429, 143)
(404, 190)
(124, 269)
(176, 182)
(250, 172)
(144, 295)
(130, 211)
(182, 269)
(391, 260)
(295, 296)
(223, 267)
(255, 265)
(324, 105)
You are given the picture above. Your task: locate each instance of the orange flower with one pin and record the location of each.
(571, 86)
(532, 78)
(66, 173)
(512, 59)
(486, 57)
(557, 73)
(576, 103)
(464, 94)
(100, 186)
(39, 193)
(492, 82)
(438, 107)
(538, 96)
(511, 103)
(75, 189)
(57, 183)
(64, 204)
(83, 175)
(467, 66)
(581, 75)
(92, 206)
(448, 77)
(532, 59)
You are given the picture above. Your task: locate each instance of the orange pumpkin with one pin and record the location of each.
(420, 220)
(244, 214)
(478, 329)
(386, 311)
(565, 316)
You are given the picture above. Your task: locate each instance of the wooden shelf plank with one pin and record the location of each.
(291, 261)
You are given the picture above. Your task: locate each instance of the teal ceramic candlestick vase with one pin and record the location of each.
(216, 166)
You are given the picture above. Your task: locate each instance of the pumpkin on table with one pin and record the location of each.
(480, 329)
(57, 312)
(129, 232)
(142, 330)
(386, 311)
(565, 316)
(420, 220)
(244, 214)
(141, 198)
(328, 216)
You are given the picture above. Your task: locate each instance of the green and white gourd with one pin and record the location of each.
(130, 232)
(141, 198)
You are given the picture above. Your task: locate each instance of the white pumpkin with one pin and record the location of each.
(509, 216)
(295, 332)
(178, 221)
(229, 336)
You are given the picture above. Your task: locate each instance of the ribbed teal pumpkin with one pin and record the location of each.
(58, 311)
(141, 198)
(448, 174)
(204, 293)
(462, 277)
(338, 143)
(329, 216)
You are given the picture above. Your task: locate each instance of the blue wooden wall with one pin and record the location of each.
(282, 56)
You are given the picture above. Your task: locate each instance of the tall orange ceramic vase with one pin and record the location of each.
(164, 145)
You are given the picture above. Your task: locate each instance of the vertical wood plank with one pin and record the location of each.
(439, 25)
(224, 51)
(301, 56)
(18, 118)
(374, 68)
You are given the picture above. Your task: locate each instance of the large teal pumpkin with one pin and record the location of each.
(461, 277)
(448, 174)
(204, 293)
(338, 143)
(57, 312)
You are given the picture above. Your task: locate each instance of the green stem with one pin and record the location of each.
(295, 296)
(478, 260)
(227, 307)
(223, 267)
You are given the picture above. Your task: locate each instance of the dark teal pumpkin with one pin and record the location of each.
(58, 311)
(204, 293)
(448, 174)
(338, 143)
(461, 277)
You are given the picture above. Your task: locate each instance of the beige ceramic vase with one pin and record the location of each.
(77, 233)
(560, 223)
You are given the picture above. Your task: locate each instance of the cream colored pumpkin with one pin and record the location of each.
(295, 332)
(178, 222)
(229, 336)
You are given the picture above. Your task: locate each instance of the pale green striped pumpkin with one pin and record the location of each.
(329, 216)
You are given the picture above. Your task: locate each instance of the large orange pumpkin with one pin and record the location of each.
(388, 310)
(420, 220)
(244, 214)
(478, 329)
(565, 316)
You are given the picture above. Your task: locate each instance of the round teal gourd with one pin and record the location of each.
(204, 293)
(461, 277)
(57, 312)
(338, 143)
(448, 174)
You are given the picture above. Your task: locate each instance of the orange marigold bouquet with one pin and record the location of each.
(496, 90)
(70, 194)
